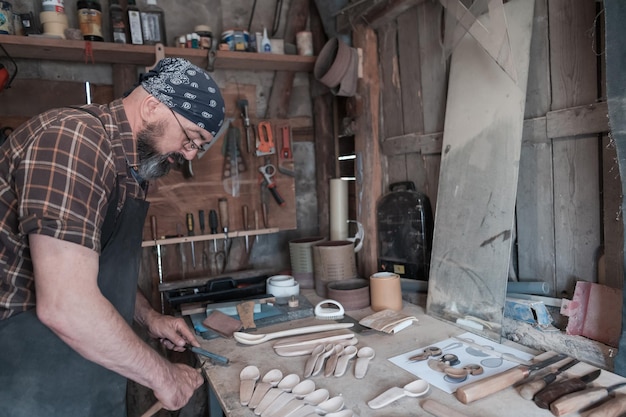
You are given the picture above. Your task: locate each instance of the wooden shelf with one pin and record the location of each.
(43, 48)
(201, 238)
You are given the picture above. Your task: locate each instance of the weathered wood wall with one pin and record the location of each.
(568, 191)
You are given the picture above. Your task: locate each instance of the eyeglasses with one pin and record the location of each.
(190, 145)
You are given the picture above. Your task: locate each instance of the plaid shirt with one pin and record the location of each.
(57, 173)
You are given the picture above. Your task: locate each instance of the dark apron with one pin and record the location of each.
(41, 376)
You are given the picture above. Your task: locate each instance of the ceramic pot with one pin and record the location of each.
(385, 291)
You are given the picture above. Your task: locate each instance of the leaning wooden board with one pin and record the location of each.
(478, 177)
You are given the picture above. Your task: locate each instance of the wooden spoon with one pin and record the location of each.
(310, 363)
(269, 380)
(416, 388)
(331, 363)
(248, 376)
(312, 398)
(319, 364)
(349, 352)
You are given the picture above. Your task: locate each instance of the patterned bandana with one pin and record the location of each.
(189, 91)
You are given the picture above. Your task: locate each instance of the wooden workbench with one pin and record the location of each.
(381, 375)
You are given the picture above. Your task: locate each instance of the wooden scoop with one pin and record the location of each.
(258, 338)
(416, 388)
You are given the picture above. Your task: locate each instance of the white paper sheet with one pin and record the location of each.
(491, 363)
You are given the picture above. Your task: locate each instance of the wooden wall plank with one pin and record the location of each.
(48, 95)
(367, 146)
(392, 91)
(434, 88)
(535, 207)
(278, 103)
(612, 220)
(576, 163)
(412, 105)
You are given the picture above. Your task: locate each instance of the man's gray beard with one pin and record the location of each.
(153, 165)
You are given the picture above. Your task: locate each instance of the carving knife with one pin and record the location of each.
(490, 385)
(581, 399)
(529, 389)
(552, 392)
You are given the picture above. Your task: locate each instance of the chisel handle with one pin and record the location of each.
(614, 407)
(552, 392)
(577, 400)
(529, 389)
(490, 385)
(201, 220)
(213, 223)
(437, 409)
(153, 227)
(222, 205)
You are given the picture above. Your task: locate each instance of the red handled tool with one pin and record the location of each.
(265, 139)
(268, 171)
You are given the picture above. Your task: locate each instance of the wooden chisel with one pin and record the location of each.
(529, 389)
(614, 407)
(581, 399)
(552, 392)
(490, 385)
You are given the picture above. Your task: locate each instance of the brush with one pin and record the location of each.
(329, 310)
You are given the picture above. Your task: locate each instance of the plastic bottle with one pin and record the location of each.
(117, 22)
(265, 42)
(153, 24)
(134, 23)
(90, 19)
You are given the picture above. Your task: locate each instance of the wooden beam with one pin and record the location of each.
(367, 146)
(324, 132)
(575, 121)
(375, 13)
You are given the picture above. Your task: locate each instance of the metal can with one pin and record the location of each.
(236, 39)
(6, 18)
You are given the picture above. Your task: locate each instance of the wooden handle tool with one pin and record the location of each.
(614, 407)
(437, 409)
(156, 407)
(495, 383)
(581, 399)
(552, 392)
(529, 389)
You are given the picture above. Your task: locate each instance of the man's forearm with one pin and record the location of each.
(143, 310)
(71, 304)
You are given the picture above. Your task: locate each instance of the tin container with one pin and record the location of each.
(6, 18)
(53, 6)
(236, 39)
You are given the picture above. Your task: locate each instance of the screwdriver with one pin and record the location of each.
(205, 258)
(246, 226)
(190, 233)
(222, 205)
(213, 226)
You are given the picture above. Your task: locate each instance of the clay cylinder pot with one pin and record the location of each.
(385, 291)
(333, 261)
(301, 257)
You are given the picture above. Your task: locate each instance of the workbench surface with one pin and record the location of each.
(381, 375)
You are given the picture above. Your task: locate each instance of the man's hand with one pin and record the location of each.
(173, 332)
(184, 380)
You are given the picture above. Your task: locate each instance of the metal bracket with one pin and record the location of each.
(211, 56)
(159, 54)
